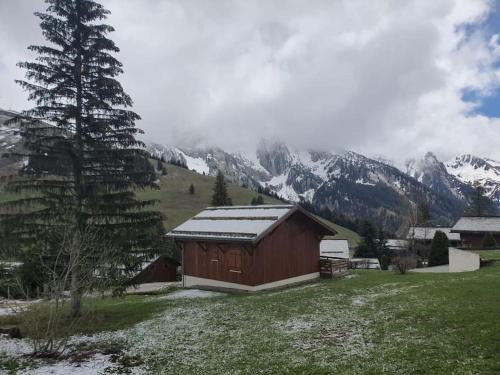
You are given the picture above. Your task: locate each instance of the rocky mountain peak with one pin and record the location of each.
(275, 157)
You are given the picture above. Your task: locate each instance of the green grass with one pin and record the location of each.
(489, 254)
(99, 314)
(343, 233)
(375, 322)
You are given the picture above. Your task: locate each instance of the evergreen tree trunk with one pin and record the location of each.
(76, 298)
(76, 295)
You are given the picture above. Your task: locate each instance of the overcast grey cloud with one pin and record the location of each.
(380, 77)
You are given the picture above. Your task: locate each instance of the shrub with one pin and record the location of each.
(489, 241)
(404, 262)
(256, 201)
(439, 250)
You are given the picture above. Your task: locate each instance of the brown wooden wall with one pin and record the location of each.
(291, 250)
(475, 240)
(161, 270)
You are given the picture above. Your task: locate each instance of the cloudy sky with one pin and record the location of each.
(395, 78)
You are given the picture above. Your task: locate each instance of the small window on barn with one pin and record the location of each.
(233, 259)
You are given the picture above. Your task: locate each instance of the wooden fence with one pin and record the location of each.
(332, 268)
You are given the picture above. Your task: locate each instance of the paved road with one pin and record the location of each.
(435, 269)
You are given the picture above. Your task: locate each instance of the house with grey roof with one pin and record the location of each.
(473, 230)
(425, 235)
(420, 239)
(250, 247)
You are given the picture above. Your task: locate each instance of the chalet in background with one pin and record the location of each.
(473, 230)
(250, 247)
(424, 235)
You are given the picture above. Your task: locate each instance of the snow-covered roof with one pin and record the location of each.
(427, 233)
(235, 223)
(334, 248)
(397, 244)
(477, 224)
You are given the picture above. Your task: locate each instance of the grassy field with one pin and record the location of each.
(100, 314)
(370, 323)
(489, 254)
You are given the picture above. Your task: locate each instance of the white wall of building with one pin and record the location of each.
(193, 281)
(463, 261)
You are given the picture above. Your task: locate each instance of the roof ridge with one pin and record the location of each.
(480, 217)
(250, 218)
(264, 206)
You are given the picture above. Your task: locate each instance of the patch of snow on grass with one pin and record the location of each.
(192, 293)
(97, 365)
(14, 347)
(351, 276)
(358, 301)
(294, 289)
(152, 287)
(296, 325)
(12, 307)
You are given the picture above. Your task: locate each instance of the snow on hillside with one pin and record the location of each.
(196, 164)
(10, 142)
(474, 170)
(433, 173)
(345, 182)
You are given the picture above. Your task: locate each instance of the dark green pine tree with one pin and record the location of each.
(383, 251)
(489, 241)
(480, 204)
(256, 201)
(220, 196)
(368, 246)
(439, 250)
(84, 159)
(191, 189)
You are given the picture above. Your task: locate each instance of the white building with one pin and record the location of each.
(334, 248)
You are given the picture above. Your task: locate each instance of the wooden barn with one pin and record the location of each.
(250, 247)
(163, 269)
(474, 229)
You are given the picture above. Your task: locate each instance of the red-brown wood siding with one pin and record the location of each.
(475, 240)
(161, 270)
(291, 250)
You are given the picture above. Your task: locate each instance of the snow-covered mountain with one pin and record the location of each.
(346, 183)
(434, 174)
(473, 170)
